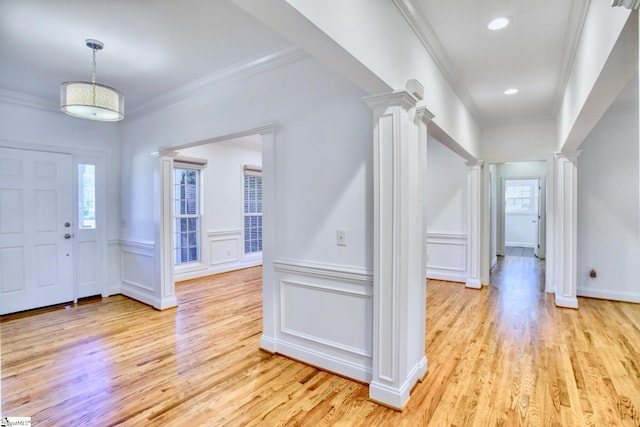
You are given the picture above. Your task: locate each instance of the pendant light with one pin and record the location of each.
(91, 100)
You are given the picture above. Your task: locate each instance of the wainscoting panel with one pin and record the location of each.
(224, 246)
(223, 252)
(447, 257)
(326, 316)
(137, 261)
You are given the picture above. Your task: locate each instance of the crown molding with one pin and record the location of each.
(629, 4)
(577, 18)
(416, 19)
(26, 100)
(220, 78)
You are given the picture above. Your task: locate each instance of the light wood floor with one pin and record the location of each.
(503, 356)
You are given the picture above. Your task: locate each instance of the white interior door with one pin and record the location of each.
(36, 259)
(536, 247)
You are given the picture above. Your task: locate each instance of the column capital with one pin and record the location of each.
(629, 4)
(572, 156)
(393, 99)
(423, 115)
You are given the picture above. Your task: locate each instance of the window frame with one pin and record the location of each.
(198, 215)
(534, 194)
(247, 171)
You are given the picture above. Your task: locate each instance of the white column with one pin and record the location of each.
(566, 220)
(164, 283)
(422, 119)
(473, 225)
(269, 296)
(398, 315)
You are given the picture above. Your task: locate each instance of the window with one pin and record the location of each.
(86, 196)
(521, 196)
(252, 209)
(186, 208)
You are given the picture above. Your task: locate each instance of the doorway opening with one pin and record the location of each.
(517, 214)
(217, 207)
(522, 217)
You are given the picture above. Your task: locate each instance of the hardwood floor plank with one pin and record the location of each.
(501, 356)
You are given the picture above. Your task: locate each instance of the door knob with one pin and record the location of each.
(68, 236)
(67, 224)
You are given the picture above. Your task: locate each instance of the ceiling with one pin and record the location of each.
(152, 47)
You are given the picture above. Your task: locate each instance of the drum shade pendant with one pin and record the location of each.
(91, 100)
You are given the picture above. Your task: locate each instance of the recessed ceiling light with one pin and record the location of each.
(511, 91)
(499, 23)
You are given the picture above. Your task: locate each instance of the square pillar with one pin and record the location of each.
(474, 224)
(399, 244)
(164, 283)
(566, 220)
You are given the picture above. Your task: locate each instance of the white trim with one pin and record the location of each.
(577, 18)
(185, 162)
(520, 244)
(226, 76)
(366, 295)
(447, 272)
(397, 398)
(356, 371)
(414, 16)
(30, 101)
(566, 302)
(324, 271)
(143, 245)
(294, 340)
(609, 294)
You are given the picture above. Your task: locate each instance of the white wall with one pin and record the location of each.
(222, 226)
(33, 125)
(382, 43)
(519, 141)
(447, 211)
(322, 182)
(608, 228)
(589, 90)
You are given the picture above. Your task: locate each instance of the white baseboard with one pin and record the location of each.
(613, 295)
(448, 275)
(473, 283)
(138, 294)
(520, 244)
(268, 344)
(215, 269)
(494, 261)
(566, 302)
(322, 360)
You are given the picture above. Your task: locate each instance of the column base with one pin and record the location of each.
(474, 283)
(396, 398)
(566, 302)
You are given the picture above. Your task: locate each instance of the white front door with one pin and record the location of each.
(36, 230)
